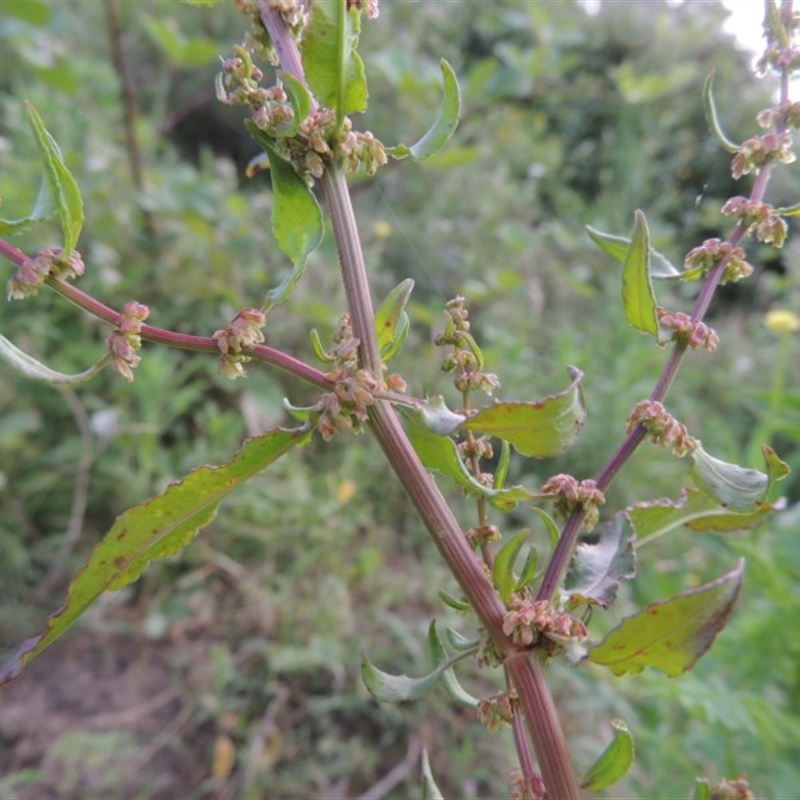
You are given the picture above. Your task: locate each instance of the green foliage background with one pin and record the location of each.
(568, 120)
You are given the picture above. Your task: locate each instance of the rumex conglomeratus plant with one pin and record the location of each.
(528, 607)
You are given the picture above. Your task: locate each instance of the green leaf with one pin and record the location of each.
(503, 576)
(618, 246)
(503, 463)
(299, 99)
(702, 789)
(734, 487)
(540, 429)
(449, 680)
(430, 791)
(333, 68)
(154, 530)
(596, 570)
(444, 125)
(638, 299)
(439, 452)
(297, 221)
(387, 688)
(696, 510)
(391, 319)
(528, 569)
(552, 529)
(32, 368)
(671, 635)
(711, 116)
(458, 605)
(34, 12)
(180, 50)
(788, 211)
(459, 642)
(62, 186)
(614, 762)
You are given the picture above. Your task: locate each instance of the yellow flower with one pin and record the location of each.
(383, 230)
(781, 320)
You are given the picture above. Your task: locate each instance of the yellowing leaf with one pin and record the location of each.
(539, 429)
(672, 634)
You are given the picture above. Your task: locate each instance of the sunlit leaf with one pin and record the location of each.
(154, 530)
(638, 299)
(333, 68)
(430, 791)
(617, 247)
(541, 428)
(671, 635)
(32, 368)
(596, 570)
(736, 488)
(66, 196)
(438, 452)
(614, 762)
(450, 683)
(444, 125)
(711, 116)
(503, 567)
(391, 319)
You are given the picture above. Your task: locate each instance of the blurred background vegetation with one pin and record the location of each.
(233, 670)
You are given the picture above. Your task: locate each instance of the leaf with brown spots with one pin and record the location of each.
(539, 429)
(156, 529)
(671, 635)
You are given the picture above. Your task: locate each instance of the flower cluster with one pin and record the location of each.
(781, 54)
(369, 7)
(126, 340)
(359, 148)
(706, 256)
(48, 263)
(242, 332)
(661, 427)
(495, 710)
(523, 789)
(532, 622)
(677, 326)
(346, 408)
(465, 357)
(482, 534)
(769, 226)
(571, 495)
(738, 789)
(788, 112)
(757, 151)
